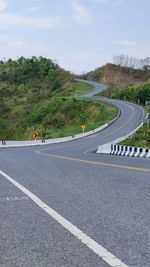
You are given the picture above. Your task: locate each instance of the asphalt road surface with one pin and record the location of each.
(63, 205)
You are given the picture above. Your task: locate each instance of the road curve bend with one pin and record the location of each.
(131, 116)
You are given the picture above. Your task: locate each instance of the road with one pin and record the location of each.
(56, 201)
(130, 117)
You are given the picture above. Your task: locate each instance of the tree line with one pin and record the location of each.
(131, 62)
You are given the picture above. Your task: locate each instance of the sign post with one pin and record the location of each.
(147, 104)
(83, 127)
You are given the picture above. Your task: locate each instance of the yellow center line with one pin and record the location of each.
(93, 162)
(51, 148)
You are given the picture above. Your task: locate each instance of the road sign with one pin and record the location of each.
(83, 126)
(35, 136)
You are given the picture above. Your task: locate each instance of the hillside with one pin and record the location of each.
(123, 82)
(36, 95)
(118, 75)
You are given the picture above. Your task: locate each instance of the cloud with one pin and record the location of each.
(74, 61)
(34, 8)
(102, 1)
(119, 2)
(82, 15)
(14, 49)
(3, 37)
(124, 43)
(3, 4)
(86, 60)
(7, 20)
(138, 51)
(114, 2)
(133, 49)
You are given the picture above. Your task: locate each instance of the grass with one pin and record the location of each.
(140, 139)
(91, 113)
(110, 112)
(81, 87)
(69, 131)
(51, 117)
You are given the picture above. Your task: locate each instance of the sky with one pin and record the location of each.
(79, 35)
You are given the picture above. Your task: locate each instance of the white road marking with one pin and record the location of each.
(103, 253)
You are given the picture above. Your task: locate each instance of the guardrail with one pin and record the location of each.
(130, 151)
(114, 149)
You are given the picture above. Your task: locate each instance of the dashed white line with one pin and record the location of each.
(103, 253)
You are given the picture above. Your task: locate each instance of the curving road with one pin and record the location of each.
(62, 206)
(130, 117)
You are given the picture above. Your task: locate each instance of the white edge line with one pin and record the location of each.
(104, 254)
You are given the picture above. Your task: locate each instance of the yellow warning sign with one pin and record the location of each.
(35, 136)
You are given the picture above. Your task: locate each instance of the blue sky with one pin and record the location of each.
(80, 34)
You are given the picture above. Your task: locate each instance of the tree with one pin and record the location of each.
(146, 68)
(134, 63)
(144, 93)
(4, 129)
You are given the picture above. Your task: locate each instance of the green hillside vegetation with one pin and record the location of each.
(138, 94)
(36, 95)
(140, 139)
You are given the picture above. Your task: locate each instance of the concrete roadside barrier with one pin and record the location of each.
(121, 150)
(39, 142)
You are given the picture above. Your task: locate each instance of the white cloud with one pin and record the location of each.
(34, 8)
(133, 49)
(119, 2)
(102, 1)
(76, 62)
(124, 43)
(7, 20)
(3, 4)
(82, 15)
(137, 51)
(3, 37)
(114, 2)
(14, 49)
(86, 60)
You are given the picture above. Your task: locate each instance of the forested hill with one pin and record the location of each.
(25, 86)
(25, 76)
(37, 96)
